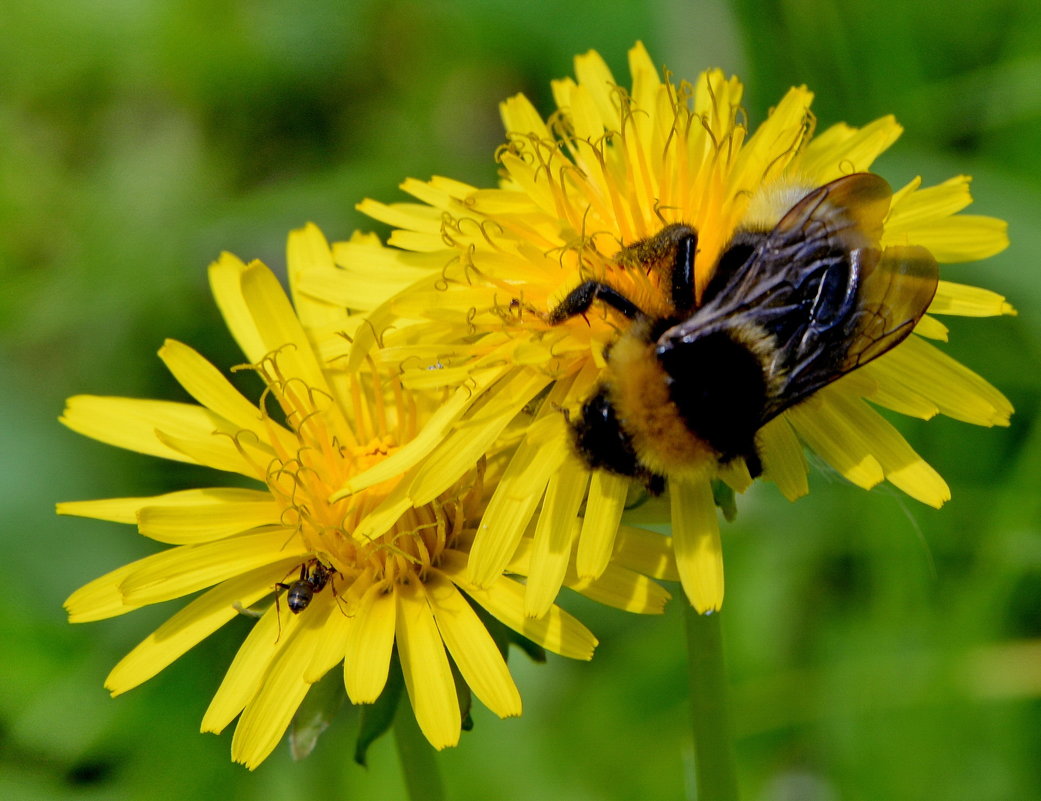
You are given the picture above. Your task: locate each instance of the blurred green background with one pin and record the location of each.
(878, 649)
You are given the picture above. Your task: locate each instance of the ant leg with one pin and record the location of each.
(278, 612)
(579, 299)
(336, 594)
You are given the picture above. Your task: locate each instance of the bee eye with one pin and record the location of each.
(718, 387)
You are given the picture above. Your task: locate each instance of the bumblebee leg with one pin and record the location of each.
(683, 274)
(580, 298)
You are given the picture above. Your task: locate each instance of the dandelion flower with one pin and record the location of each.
(367, 574)
(612, 167)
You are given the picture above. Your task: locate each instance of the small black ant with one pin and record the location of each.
(313, 578)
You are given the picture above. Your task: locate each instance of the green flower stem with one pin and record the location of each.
(715, 770)
(418, 762)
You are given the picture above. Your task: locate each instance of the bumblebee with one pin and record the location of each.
(787, 311)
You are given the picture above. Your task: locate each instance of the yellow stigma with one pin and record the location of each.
(323, 453)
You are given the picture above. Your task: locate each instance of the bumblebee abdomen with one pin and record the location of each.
(639, 390)
(718, 384)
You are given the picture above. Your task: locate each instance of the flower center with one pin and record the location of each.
(319, 451)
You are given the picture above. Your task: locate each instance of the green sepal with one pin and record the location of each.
(462, 692)
(378, 717)
(723, 495)
(315, 713)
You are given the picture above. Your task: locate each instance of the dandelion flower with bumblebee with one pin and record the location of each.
(365, 576)
(688, 303)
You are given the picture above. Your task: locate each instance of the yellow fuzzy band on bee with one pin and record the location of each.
(639, 392)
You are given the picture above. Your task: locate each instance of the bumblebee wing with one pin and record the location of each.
(851, 301)
(847, 212)
(894, 296)
(777, 273)
(817, 296)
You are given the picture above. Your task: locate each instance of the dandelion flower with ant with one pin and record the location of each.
(363, 578)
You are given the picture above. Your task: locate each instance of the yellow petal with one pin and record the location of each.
(783, 460)
(528, 181)
(519, 116)
(278, 326)
(645, 77)
(226, 285)
(513, 502)
(202, 515)
(386, 514)
(118, 510)
(188, 568)
(205, 383)
(424, 664)
(360, 293)
(556, 631)
(416, 241)
(331, 646)
(953, 388)
(406, 216)
(695, 540)
(440, 192)
(931, 328)
(963, 237)
(835, 440)
(370, 640)
(197, 621)
(735, 475)
(554, 534)
(463, 448)
(595, 77)
(102, 597)
(363, 256)
(131, 423)
(783, 132)
(472, 647)
(269, 713)
(585, 116)
(604, 506)
(430, 436)
(646, 552)
(871, 382)
(622, 589)
(968, 301)
(902, 466)
(242, 455)
(272, 634)
(912, 206)
(308, 253)
(855, 153)
(125, 510)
